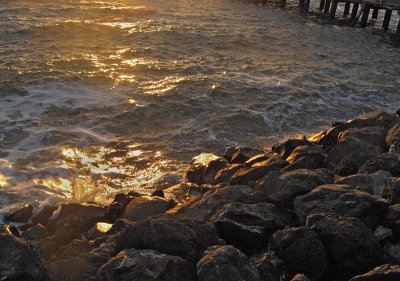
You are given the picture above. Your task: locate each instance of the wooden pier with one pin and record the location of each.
(355, 9)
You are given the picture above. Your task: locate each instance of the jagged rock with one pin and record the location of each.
(18, 261)
(73, 249)
(282, 187)
(274, 162)
(272, 268)
(383, 233)
(311, 151)
(300, 277)
(117, 207)
(68, 230)
(344, 147)
(9, 229)
(225, 175)
(317, 137)
(98, 230)
(183, 191)
(248, 226)
(146, 265)
(341, 200)
(301, 250)
(243, 154)
(305, 162)
(350, 245)
(376, 180)
(225, 263)
(392, 218)
(35, 232)
(43, 216)
(384, 272)
(285, 148)
(169, 234)
(392, 253)
(118, 225)
(393, 136)
(246, 175)
(158, 193)
(204, 167)
(374, 136)
(384, 161)
(260, 158)
(21, 215)
(391, 190)
(142, 207)
(229, 152)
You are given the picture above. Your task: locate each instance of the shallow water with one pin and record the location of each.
(102, 96)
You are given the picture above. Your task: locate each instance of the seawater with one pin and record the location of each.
(100, 97)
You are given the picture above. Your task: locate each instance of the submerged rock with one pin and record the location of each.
(225, 263)
(146, 265)
(301, 250)
(384, 272)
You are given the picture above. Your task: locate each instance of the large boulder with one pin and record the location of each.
(171, 234)
(351, 246)
(342, 200)
(384, 161)
(243, 154)
(146, 265)
(18, 261)
(393, 136)
(281, 187)
(226, 263)
(225, 174)
(301, 250)
(43, 215)
(374, 136)
(384, 272)
(306, 157)
(35, 232)
(392, 218)
(376, 181)
(271, 267)
(285, 148)
(246, 175)
(249, 226)
(145, 206)
(391, 191)
(183, 191)
(204, 167)
(20, 215)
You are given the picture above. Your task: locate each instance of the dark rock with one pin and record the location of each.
(169, 234)
(383, 233)
(73, 249)
(350, 245)
(146, 265)
(300, 277)
(285, 148)
(374, 136)
(248, 227)
(301, 250)
(248, 174)
(392, 253)
(243, 154)
(393, 135)
(274, 162)
(68, 230)
(317, 137)
(376, 180)
(9, 229)
(341, 200)
(118, 226)
(225, 263)
(348, 166)
(384, 161)
(391, 191)
(225, 174)
(349, 145)
(311, 151)
(392, 218)
(98, 230)
(35, 232)
(134, 194)
(282, 187)
(260, 158)
(204, 167)
(183, 191)
(305, 162)
(229, 152)
(272, 268)
(43, 216)
(142, 207)
(384, 272)
(114, 211)
(21, 215)
(158, 193)
(26, 226)
(98, 241)
(18, 261)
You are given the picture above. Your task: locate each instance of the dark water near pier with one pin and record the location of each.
(102, 96)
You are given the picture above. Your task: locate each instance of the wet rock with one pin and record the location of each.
(301, 250)
(98, 230)
(243, 154)
(272, 268)
(393, 136)
(374, 136)
(391, 190)
(35, 232)
(73, 249)
(348, 166)
(43, 216)
(248, 174)
(21, 215)
(285, 148)
(260, 158)
(384, 161)
(46, 247)
(118, 225)
(348, 145)
(341, 200)
(376, 180)
(350, 245)
(300, 277)
(384, 272)
(142, 207)
(18, 261)
(281, 187)
(158, 193)
(183, 191)
(225, 263)
(9, 229)
(229, 152)
(392, 218)
(225, 174)
(317, 137)
(311, 151)
(171, 234)
(383, 233)
(68, 230)
(274, 162)
(204, 167)
(146, 265)
(248, 226)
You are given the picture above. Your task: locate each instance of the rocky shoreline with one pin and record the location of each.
(323, 208)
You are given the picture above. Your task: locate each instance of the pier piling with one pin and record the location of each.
(365, 14)
(386, 20)
(346, 11)
(354, 11)
(333, 9)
